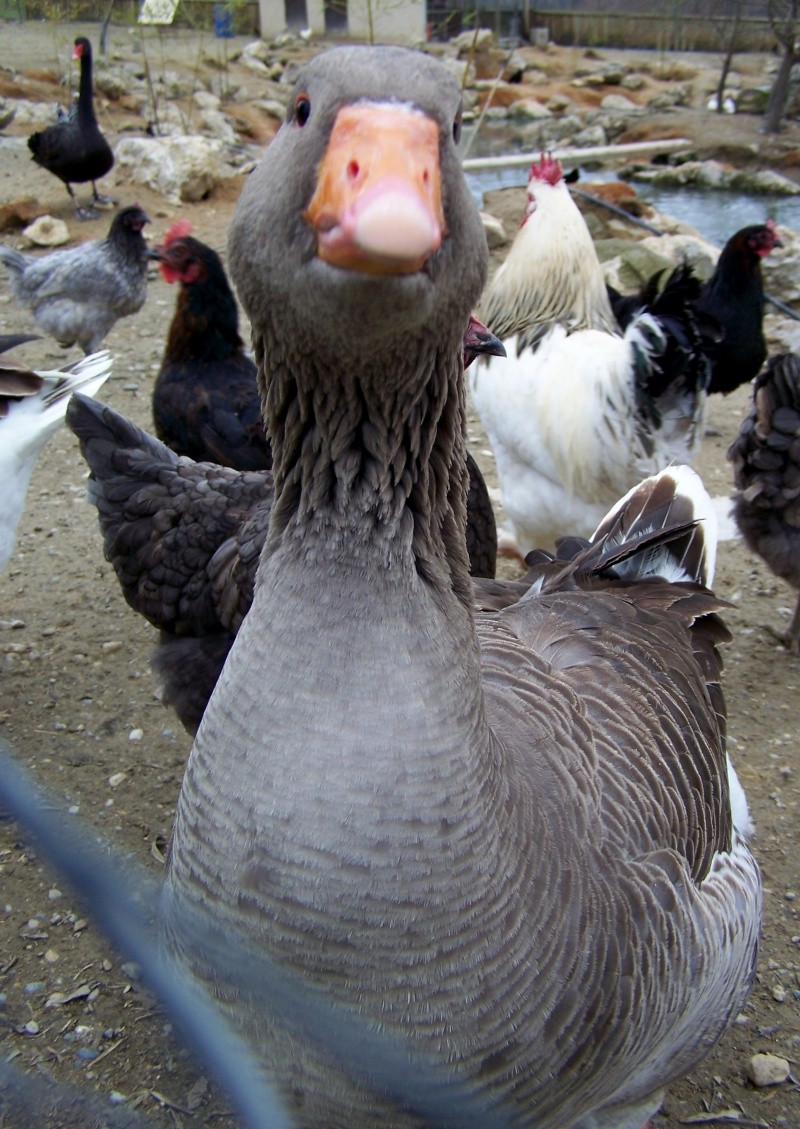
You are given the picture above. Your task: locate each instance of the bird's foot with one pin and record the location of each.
(105, 201)
(507, 546)
(84, 212)
(788, 639)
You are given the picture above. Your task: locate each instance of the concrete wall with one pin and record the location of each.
(393, 21)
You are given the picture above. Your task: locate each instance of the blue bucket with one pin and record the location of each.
(223, 22)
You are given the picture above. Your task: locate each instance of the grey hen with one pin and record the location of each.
(766, 471)
(77, 295)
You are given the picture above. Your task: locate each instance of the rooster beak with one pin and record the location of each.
(377, 207)
(155, 253)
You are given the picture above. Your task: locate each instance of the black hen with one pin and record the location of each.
(766, 471)
(74, 149)
(206, 402)
(185, 539)
(734, 296)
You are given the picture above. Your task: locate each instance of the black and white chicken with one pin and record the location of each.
(581, 411)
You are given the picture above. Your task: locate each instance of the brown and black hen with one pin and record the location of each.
(206, 402)
(74, 149)
(734, 297)
(766, 472)
(185, 538)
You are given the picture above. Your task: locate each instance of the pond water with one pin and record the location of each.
(714, 213)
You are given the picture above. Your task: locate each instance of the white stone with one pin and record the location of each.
(184, 168)
(767, 1070)
(47, 231)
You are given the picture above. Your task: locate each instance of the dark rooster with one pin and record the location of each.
(185, 539)
(766, 472)
(78, 294)
(74, 149)
(734, 297)
(205, 402)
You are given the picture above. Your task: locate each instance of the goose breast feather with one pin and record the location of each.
(494, 820)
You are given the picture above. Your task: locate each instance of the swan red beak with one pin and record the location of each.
(377, 207)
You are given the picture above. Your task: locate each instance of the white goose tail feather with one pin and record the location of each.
(673, 500)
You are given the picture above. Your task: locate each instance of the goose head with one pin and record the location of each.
(357, 234)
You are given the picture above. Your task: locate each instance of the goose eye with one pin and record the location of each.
(457, 128)
(302, 109)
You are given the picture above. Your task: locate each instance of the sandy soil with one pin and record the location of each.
(80, 707)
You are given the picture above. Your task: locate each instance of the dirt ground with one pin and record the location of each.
(81, 711)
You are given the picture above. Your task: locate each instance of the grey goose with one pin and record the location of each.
(491, 818)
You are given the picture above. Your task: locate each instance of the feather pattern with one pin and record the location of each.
(495, 819)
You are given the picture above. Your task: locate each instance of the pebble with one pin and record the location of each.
(51, 956)
(117, 779)
(31, 1027)
(54, 894)
(779, 993)
(136, 735)
(111, 646)
(767, 1070)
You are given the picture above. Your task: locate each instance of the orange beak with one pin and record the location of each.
(377, 207)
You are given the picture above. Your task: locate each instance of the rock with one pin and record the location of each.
(762, 180)
(494, 230)
(35, 115)
(559, 104)
(632, 82)
(628, 264)
(618, 103)
(205, 100)
(8, 112)
(483, 40)
(514, 67)
(216, 124)
(781, 268)
(113, 82)
(184, 168)
(257, 66)
(752, 100)
(272, 108)
(592, 135)
(47, 231)
(767, 1070)
(528, 108)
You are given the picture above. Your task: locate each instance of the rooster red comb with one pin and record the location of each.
(547, 168)
(177, 230)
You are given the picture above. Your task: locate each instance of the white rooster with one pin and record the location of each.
(579, 412)
(32, 407)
